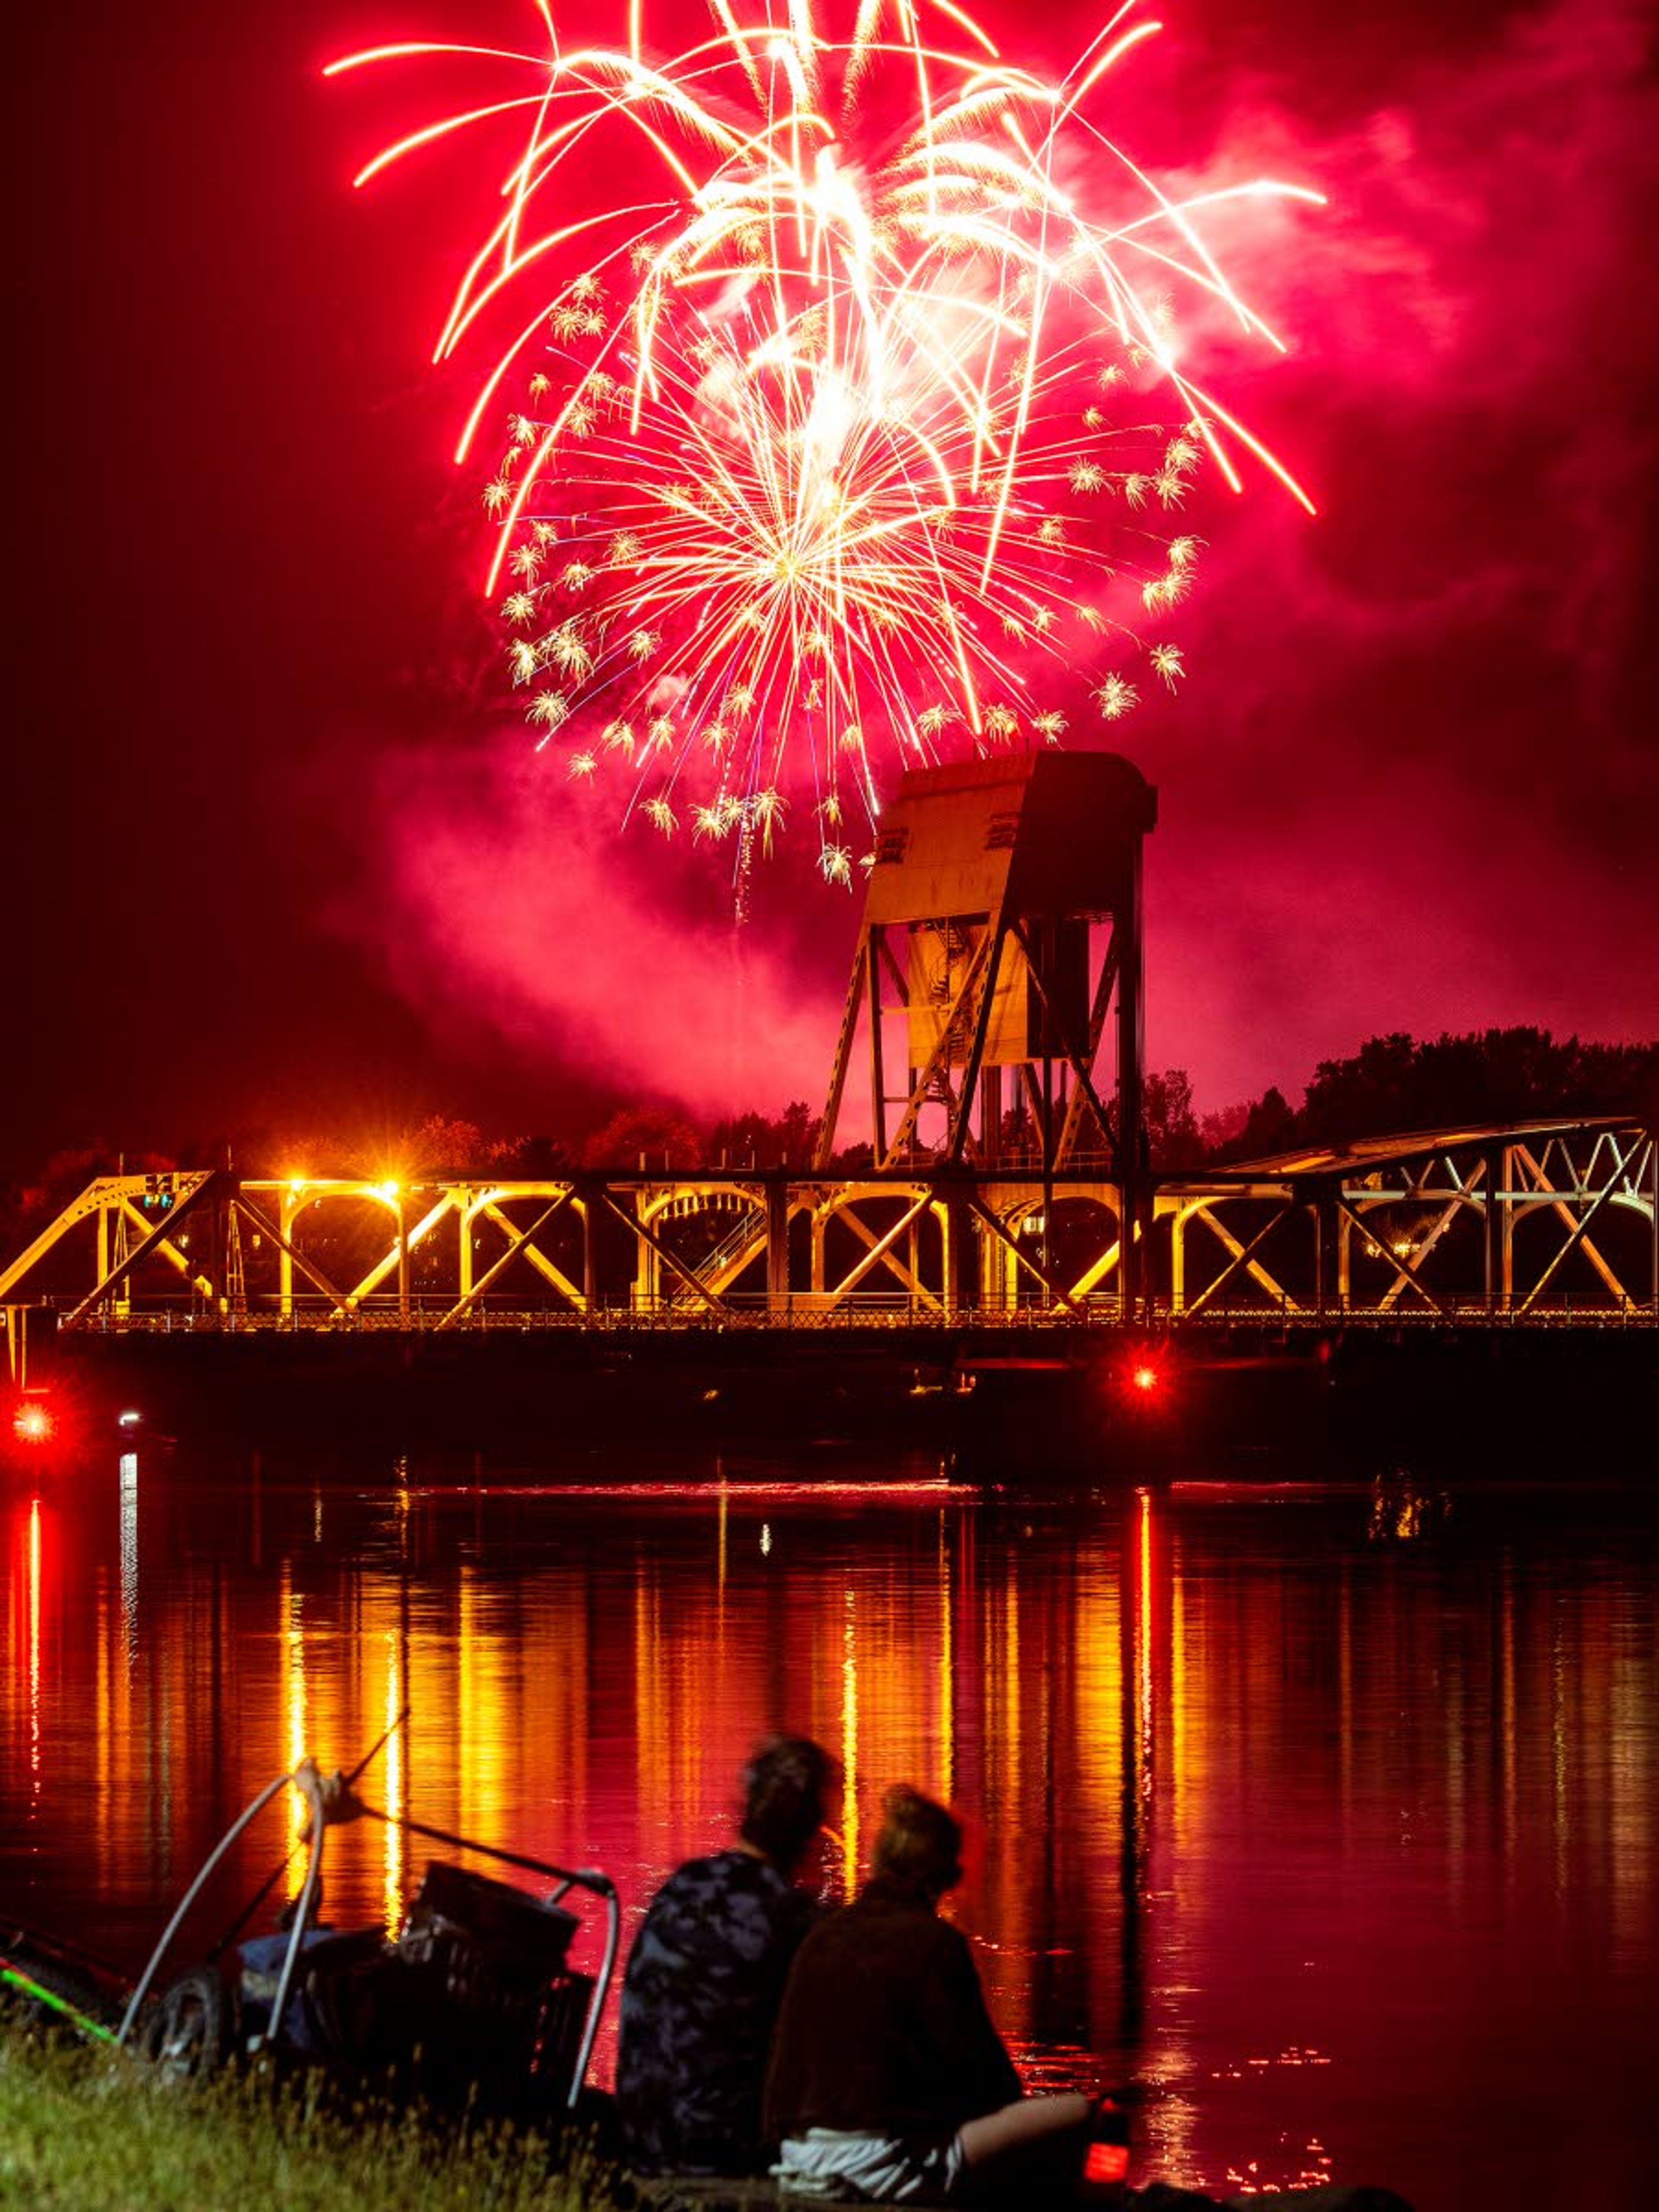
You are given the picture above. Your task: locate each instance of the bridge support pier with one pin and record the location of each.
(648, 1269)
(1343, 1259)
(1330, 1289)
(956, 1231)
(1178, 1262)
(777, 1249)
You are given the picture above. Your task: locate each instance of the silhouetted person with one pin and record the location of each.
(706, 1975)
(888, 2080)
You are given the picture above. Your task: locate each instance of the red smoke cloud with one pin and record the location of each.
(1413, 782)
(1410, 782)
(530, 910)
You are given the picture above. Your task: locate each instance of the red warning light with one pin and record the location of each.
(32, 1424)
(1108, 2156)
(1143, 1384)
(1106, 2161)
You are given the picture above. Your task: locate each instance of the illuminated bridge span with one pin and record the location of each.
(1548, 1222)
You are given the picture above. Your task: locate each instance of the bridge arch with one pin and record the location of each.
(671, 1274)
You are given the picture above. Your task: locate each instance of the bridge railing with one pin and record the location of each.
(426, 1316)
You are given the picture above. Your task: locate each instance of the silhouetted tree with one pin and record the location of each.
(763, 1141)
(530, 1159)
(1372, 1092)
(1269, 1126)
(1489, 1076)
(1018, 1137)
(656, 1133)
(1172, 1132)
(440, 1145)
(1220, 1131)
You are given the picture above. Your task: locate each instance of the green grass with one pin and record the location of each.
(91, 2131)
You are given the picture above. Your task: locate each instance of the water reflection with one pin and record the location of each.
(1303, 1811)
(34, 1649)
(127, 1474)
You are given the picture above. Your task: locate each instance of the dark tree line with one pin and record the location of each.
(1394, 1083)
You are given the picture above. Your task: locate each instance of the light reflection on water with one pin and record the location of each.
(1328, 1818)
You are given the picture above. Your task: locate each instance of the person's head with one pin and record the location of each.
(919, 1843)
(785, 1785)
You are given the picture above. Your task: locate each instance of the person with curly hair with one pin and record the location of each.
(705, 1975)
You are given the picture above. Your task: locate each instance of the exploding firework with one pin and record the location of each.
(859, 436)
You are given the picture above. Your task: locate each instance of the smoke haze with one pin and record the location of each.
(1408, 784)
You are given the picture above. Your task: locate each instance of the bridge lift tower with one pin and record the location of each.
(1001, 926)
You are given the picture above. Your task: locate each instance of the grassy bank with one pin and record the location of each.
(90, 2131)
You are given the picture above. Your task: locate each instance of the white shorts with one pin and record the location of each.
(831, 2162)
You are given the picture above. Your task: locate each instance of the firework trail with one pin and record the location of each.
(858, 436)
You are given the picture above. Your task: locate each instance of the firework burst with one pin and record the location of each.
(859, 437)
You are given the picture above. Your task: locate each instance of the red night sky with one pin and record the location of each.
(280, 856)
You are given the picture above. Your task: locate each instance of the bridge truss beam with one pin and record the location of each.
(1543, 1221)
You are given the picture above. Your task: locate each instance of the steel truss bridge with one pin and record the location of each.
(1539, 1223)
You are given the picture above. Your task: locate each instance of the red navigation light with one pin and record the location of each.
(31, 1422)
(1108, 2156)
(1106, 2161)
(1146, 1379)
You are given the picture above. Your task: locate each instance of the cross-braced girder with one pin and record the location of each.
(1532, 1222)
(1534, 1219)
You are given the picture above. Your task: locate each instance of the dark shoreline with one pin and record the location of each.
(986, 1404)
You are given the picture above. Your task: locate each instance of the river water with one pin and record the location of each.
(1327, 1816)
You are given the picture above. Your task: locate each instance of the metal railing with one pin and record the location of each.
(802, 1311)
